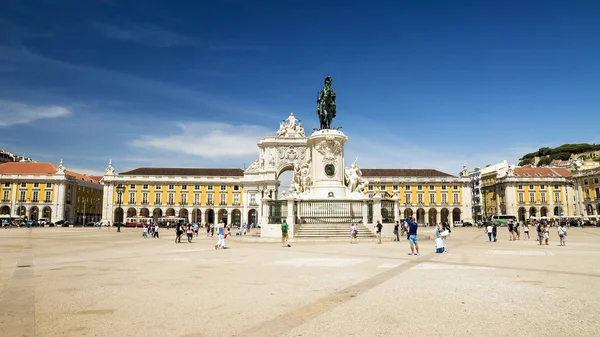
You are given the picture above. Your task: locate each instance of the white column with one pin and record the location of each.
(365, 212)
(59, 201)
(291, 221)
(377, 208)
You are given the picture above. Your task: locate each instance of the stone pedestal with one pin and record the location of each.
(327, 164)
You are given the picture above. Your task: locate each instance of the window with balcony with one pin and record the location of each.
(132, 198)
(557, 197)
(158, 199)
(543, 197)
(236, 199)
(184, 198)
(171, 198)
(6, 195)
(22, 196)
(145, 198)
(420, 198)
(210, 199)
(432, 198)
(196, 198)
(521, 198)
(184, 187)
(444, 198)
(532, 197)
(223, 200)
(223, 188)
(407, 197)
(35, 197)
(455, 197)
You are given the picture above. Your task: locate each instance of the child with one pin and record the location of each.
(145, 234)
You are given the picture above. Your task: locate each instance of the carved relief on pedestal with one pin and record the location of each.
(330, 149)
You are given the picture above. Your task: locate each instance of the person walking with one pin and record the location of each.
(284, 234)
(221, 242)
(196, 229)
(413, 240)
(540, 231)
(495, 232)
(526, 231)
(353, 234)
(397, 231)
(546, 233)
(488, 229)
(378, 228)
(207, 230)
(562, 233)
(145, 233)
(178, 233)
(190, 233)
(155, 231)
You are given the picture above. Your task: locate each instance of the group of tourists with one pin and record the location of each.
(151, 229)
(514, 231)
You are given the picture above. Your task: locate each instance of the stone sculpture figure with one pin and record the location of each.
(290, 127)
(354, 180)
(326, 109)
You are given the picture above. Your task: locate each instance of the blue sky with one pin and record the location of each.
(420, 84)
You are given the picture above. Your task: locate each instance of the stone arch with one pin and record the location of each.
(34, 213)
(590, 210)
(252, 216)
(236, 217)
(445, 213)
(420, 215)
(456, 215)
(408, 212)
(222, 216)
(196, 216)
(144, 212)
(284, 167)
(170, 212)
(521, 214)
(118, 217)
(21, 211)
(184, 214)
(4, 210)
(432, 219)
(157, 213)
(532, 212)
(543, 212)
(131, 212)
(47, 213)
(598, 209)
(210, 216)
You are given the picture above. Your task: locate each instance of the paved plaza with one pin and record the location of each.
(97, 282)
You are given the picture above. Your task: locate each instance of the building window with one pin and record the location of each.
(5, 198)
(22, 196)
(521, 198)
(431, 187)
(196, 198)
(556, 187)
(184, 187)
(531, 187)
(145, 186)
(370, 195)
(209, 187)
(420, 198)
(395, 187)
(236, 199)
(444, 198)
(597, 190)
(171, 198)
(456, 198)
(6, 184)
(197, 187)
(145, 198)
(407, 187)
(158, 187)
(184, 198)
(210, 199)
(223, 188)
(585, 182)
(47, 199)
(132, 198)
(171, 187)
(557, 197)
(252, 199)
(370, 187)
(36, 185)
(595, 181)
(432, 198)
(419, 187)
(408, 197)
(236, 188)
(132, 187)
(542, 187)
(23, 185)
(520, 187)
(223, 199)
(543, 195)
(35, 196)
(532, 197)
(157, 198)
(455, 187)
(587, 193)
(443, 187)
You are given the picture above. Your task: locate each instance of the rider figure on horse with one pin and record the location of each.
(326, 109)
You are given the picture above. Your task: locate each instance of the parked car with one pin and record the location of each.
(63, 222)
(467, 224)
(90, 224)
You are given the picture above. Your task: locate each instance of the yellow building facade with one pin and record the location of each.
(35, 191)
(587, 184)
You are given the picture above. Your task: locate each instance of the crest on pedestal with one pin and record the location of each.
(330, 148)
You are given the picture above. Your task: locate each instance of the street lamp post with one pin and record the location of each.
(120, 191)
(84, 202)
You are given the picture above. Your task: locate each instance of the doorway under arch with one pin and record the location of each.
(222, 216)
(444, 214)
(34, 213)
(432, 216)
(157, 213)
(456, 215)
(118, 215)
(236, 217)
(252, 216)
(210, 216)
(420, 215)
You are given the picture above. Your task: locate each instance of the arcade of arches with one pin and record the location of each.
(195, 215)
(432, 215)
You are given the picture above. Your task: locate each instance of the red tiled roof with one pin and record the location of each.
(211, 172)
(403, 173)
(40, 168)
(542, 172)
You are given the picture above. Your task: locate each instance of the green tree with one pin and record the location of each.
(544, 161)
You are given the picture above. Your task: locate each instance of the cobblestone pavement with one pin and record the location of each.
(97, 282)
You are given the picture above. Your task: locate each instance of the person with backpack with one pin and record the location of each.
(284, 234)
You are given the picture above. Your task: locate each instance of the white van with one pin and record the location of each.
(42, 221)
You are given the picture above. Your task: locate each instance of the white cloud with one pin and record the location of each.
(12, 113)
(151, 36)
(207, 140)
